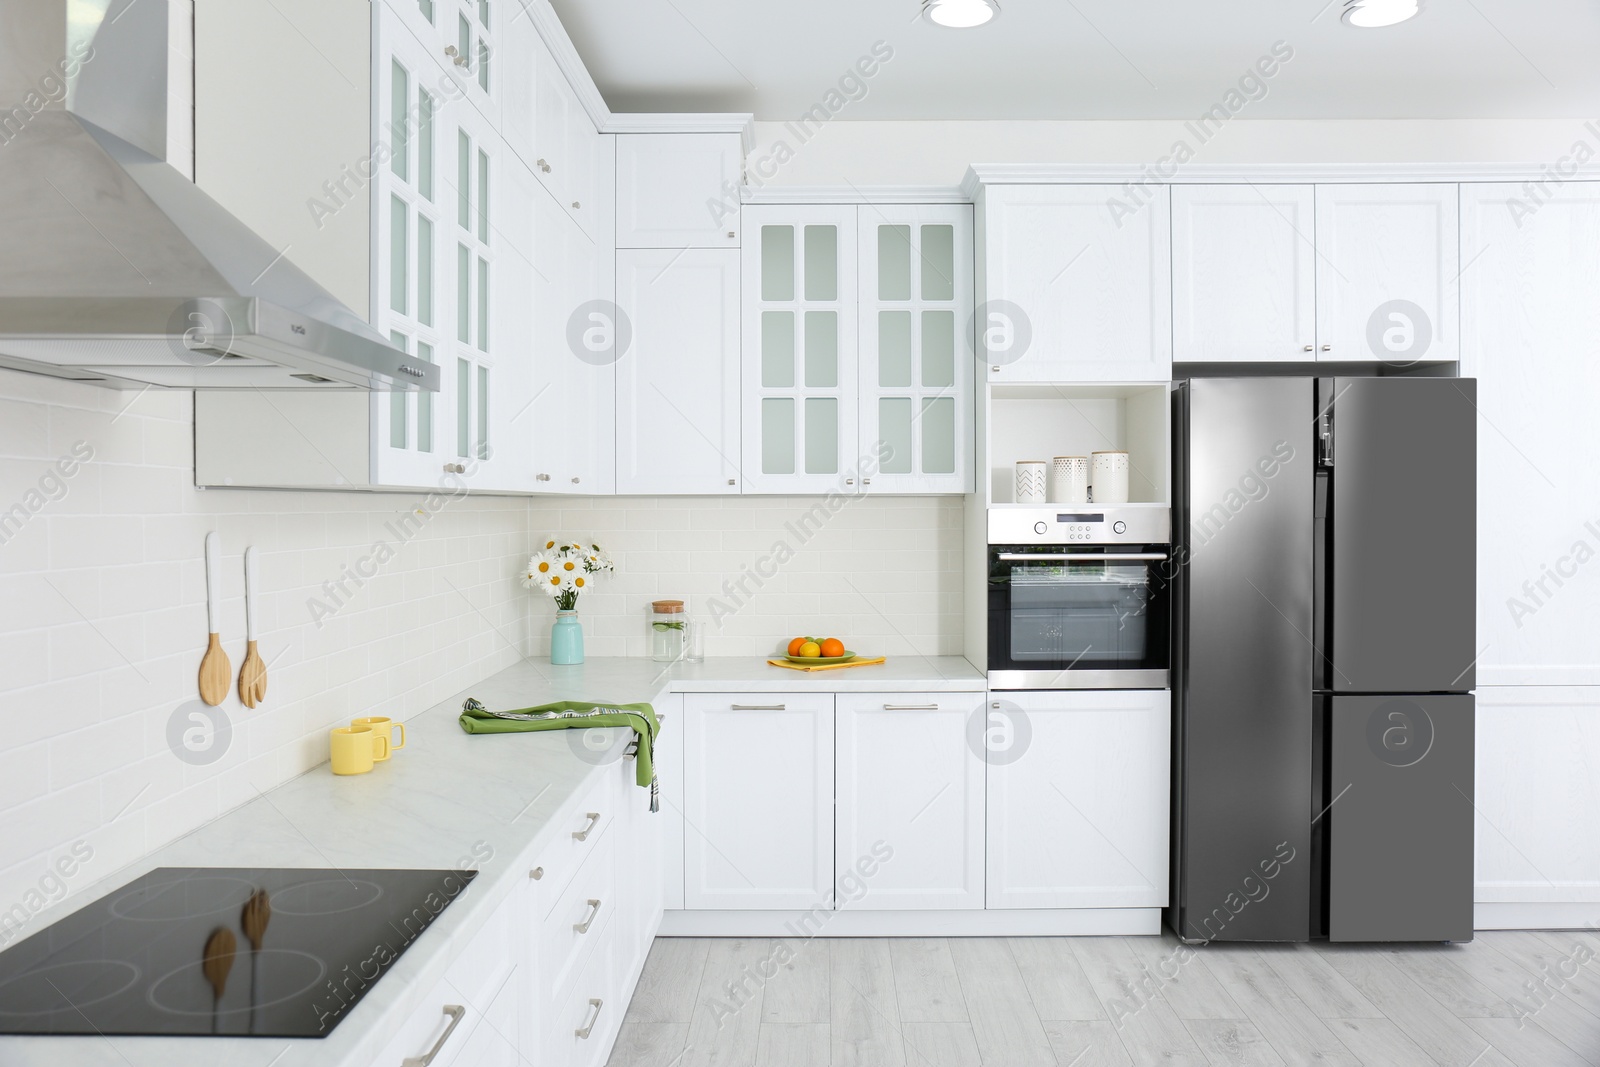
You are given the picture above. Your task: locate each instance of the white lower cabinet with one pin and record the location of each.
(758, 790)
(910, 801)
(1078, 799)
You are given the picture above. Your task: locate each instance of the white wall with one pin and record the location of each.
(104, 624)
(881, 573)
(938, 153)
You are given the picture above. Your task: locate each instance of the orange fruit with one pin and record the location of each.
(833, 647)
(794, 646)
(810, 650)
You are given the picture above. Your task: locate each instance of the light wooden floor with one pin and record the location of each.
(1092, 1001)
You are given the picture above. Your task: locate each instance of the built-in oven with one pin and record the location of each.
(1080, 597)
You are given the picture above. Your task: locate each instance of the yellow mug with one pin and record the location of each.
(386, 728)
(353, 748)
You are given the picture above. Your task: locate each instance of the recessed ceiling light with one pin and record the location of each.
(1373, 14)
(960, 14)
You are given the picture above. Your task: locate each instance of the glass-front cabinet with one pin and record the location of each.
(915, 406)
(460, 36)
(858, 368)
(800, 349)
(437, 280)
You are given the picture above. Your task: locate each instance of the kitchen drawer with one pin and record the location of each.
(588, 1011)
(580, 833)
(562, 947)
(480, 984)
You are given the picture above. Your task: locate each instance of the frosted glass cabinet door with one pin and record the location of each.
(799, 350)
(412, 301)
(916, 374)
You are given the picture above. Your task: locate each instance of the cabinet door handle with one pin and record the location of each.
(456, 1013)
(536, 874)
(732, 233)
(455, 468)
(759, 707)
(582, 1033)
(543, 477)
(1327, 348)
(1311, 348)
(588, 920)
(583, 835)
(542, 165)
(911, 707)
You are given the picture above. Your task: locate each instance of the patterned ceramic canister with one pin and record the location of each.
(1069, 480)
(1110, 477)
(1030, 481)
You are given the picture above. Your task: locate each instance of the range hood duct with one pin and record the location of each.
(116, 268)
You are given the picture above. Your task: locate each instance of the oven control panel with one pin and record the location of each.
(1066, 524)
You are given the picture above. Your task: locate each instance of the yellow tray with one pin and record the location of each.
(857, 662)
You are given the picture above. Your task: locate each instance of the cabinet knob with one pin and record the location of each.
(866, 481)
(574, 481)
(455, 468)
(730, 482)
(1327, 348)
(849, 481)
(536, 874)
(732, 233)
(455, 57)
(542, 165)
(543, 477)
(576, 205)
(995, 369)
(1311, 348)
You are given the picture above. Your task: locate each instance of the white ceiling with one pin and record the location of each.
(1092, 59)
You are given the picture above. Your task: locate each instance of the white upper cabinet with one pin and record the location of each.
(910, 800)
(1388, 273)
(916, 369)
(1530, 328)
(1077, 288)
(678, 190)
(799, 324)
(567, 150)
(461, 36)
(572, 403)
(1244, 268)
(678, 380)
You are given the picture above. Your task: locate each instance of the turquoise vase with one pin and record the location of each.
(566, 638)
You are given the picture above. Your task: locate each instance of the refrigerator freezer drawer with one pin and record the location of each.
(1400, 825)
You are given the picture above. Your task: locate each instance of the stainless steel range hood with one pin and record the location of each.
(116, 268)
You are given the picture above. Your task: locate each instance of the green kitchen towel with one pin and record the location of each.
(567, 714)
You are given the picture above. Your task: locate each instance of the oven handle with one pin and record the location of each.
(1082, 557)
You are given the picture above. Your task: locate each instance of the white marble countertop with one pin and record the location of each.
(445, 801)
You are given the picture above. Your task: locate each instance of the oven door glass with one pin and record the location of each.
(1078, 613)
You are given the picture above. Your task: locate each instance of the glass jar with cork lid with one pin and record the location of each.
(669, 630)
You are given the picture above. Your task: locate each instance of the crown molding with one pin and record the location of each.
(674, 122)
(979, 175)
(854, 194)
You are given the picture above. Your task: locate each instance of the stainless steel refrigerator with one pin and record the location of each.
(1323, 659)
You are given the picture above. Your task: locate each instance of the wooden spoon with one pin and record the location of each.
(257, 913)
(253, 673)
(216, 673)
(215, 963)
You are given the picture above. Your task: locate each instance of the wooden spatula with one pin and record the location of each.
(253, 673)
(216, 673)
(215, 963)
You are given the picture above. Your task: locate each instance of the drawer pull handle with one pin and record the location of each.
(595, 1003)
(594, 910)
(536, 874)
(456, 1013)
(760, 707)
(583, 835)
(911, 707)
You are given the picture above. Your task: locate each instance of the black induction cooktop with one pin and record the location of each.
(220, 950)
